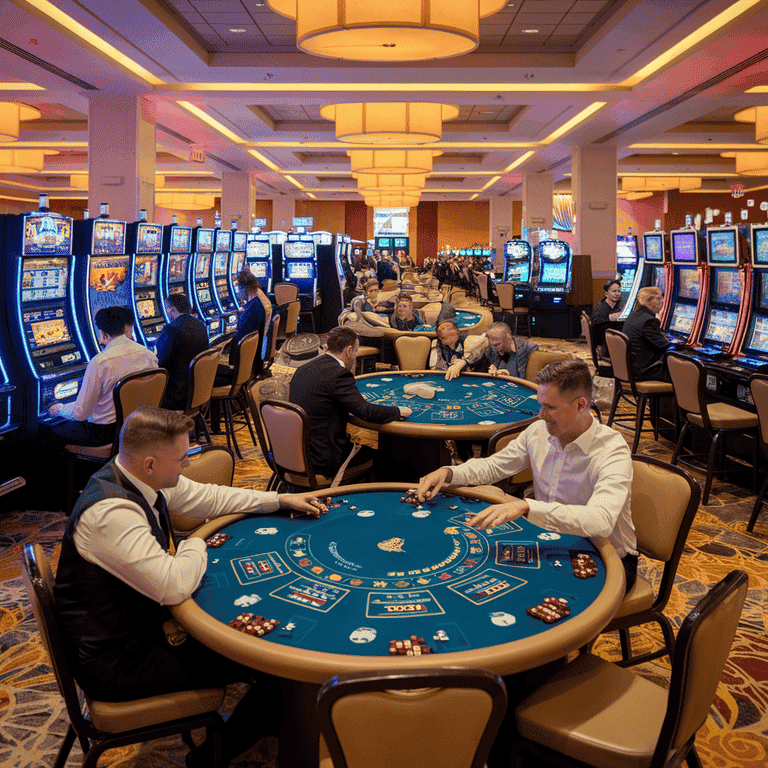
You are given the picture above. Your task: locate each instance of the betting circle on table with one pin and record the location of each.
(376, 569)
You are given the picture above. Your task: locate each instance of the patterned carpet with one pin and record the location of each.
(735, 734)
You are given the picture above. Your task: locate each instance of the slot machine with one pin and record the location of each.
(177, 247)
(220, 280)
(300, 267)
(629, 266)
(331, 280)
(383, 244)
(401, 246)
(239, 248)
(10, 406)
(655, 271)
(277, 242)
(488, 261)
(50, 349)
(518, 260)
(102, 272)
(258, 256)
(202, 299)
(145, 242)
(689, 286)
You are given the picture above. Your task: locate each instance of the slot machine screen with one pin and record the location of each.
(47, 332)
(726, 287)
(259, 268)
(220, 264)
(47, 235)
(300, 270)
(299, 250)
(223, 239)
(181, 239)
(145, 270)
(758, 334)
(518, 271)
(627, 279)
(462, 251)
(689, 283)
(204, 295)
(554, 273)
(477, 252)
(659, 278)
(107, 283)
(760, 246)
(626, 251)
(177, 267)
(654, 248)
(683, 316)
(239, 241)
(258, 250)
(517, 249)
(762, 296)
(723, 247)
(238, 262)
(684, 246)
(145, 308)
(203, 262)
(205, 240)
(43, 279)
(149, 238)
(721, 326)
(554, 251)
(108, 237)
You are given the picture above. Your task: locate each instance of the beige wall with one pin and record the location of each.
(461, 224)
(327, 215)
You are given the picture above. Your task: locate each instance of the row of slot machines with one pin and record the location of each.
(546, 269)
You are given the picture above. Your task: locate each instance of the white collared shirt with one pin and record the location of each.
(583, 488)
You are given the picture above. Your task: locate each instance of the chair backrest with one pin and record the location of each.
(618, 350)
(202, 372)
(249, 348)
(389, 285)
(292, 318)
(285, 292)
(688, 378)
(701, 652)
(134, 391)
(758, 386)
(287, 428)
(214, 464)
(502, 439)
(586, 330)
(539, 359)
(38, 580)
(505, 292)
(272, 332)
(412, 352)
(252, 395)
(410, 718)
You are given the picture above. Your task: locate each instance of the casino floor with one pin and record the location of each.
(735, 734)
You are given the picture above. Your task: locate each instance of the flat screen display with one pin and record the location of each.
(390, 221)
(47, 235)
(760, 246)
(43, 279)
(238, 261)
(762, 290)
(177, 267)
(659, 278)
(384, 242)
(181, 239)
(145, 270)
(486, 252)
(259, 268)
(149, 238)
(48, 332)
(220, 263)
(108, 285)
(518, 249)
(722, 246)
(108, 237)
(518, 271)
(689, 282)
(554, 273)
(205, 240)
(239, 241)
(146, 308)
(462, 252)
(259, 250)
(626, 250)
(654, 247)
(300, 270)
(323, 238)
(684, 247)
(627, 279)
(303, 221)
(401, 242)
(202, 264)
(682, 319)
(553, 250)
(223, 239)
(204, 296)
(299, 250)
(758, 334)
(726, 286)
(721, 326)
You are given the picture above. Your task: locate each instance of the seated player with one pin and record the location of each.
(453, 353)
(371, 292)
(90, 420)
(325, 388)
(180, 340)
(647, 342)
(507, 355)
(116, 576)
(404, 318)
(582, 470)
(606, 314)
(385, 269)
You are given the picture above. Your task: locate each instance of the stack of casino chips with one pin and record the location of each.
(254, 625)
(413, 646)
(550, 609)
(584, 567)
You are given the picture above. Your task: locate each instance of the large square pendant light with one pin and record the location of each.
(22, 160)
(184, 201)
(391, 182)
(392, 30)
(11, 115)
(392, 200)
(758, 116)
(392, 160)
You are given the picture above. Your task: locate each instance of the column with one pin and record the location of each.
(121, 155)
(500, 227)
(237, 195)
(593, 184)
(537, 200)
(283, 211)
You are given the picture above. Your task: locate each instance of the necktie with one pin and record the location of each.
(165, 521)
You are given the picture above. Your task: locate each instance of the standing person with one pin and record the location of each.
(180, 340)
(507, 355)
(117, 574)
(91, 418)
(606, 313)
(582, 470)
(385, 270)
(647, 342)
(325, 388)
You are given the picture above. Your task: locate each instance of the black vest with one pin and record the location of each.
(99, 615)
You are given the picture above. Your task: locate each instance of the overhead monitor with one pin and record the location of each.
(108, 236)
(723, 246)
(390, 221)
(653, 247)
(46, 235)
(205, 240)
(223, 239)
(239, 240)
(684, 246)
(760, 245)
(181, 239)
(149, 238)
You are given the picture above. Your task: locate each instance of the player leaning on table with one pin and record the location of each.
(582, 470)
(116, 575)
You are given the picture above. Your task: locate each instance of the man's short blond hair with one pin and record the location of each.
(147, 428)
(644, 295)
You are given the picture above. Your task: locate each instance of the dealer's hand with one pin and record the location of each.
(404, 412)
(430, 485)
(303, 502)
(498, 514)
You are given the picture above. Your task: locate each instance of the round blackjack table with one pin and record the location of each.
(379, 569)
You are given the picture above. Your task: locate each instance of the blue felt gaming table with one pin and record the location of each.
(464, 320)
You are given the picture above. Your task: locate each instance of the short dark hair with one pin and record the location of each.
(179, 302)
(147, 427)
(127, 314)
(608, 283)
(569, 376)
(403, 297)
(340, 338)
(370, 285)
(246, 279)
(111, 321)
(442, 327)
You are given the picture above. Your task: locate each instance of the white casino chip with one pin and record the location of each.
(549, 536)
(266, 531)
(366, 513)
(502, 619)
(363, 635)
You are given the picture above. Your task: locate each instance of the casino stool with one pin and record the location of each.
(286, 433)
(636, 393)
(389, 285)
(601, 367)
(249, 347)
(363, 353)
(289, 319)
(758, 385)
(105, 725)
(665, 500)
(600, 714)
(443, 716)
(718, 419)
(202, 372)
(145, 388)
(285, 292)
(413, 352)
(506, 294)
(539, 359)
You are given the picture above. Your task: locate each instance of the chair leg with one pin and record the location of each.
(204, 424)
(247, 414)
(626, 645)
(70, 500)
(231, 428)
(639, 419)
(679, 445)
(711, 466)
(615, 403)
(65, 748)
(758, 506)
(692, 758)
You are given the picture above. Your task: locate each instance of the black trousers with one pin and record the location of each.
(70, 432)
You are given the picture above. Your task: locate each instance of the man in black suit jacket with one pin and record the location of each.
(181, 339)
(647, 342)
(325, 388)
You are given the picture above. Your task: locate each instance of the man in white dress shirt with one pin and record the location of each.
(90, 420)
(118, 571)
(582, 470)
